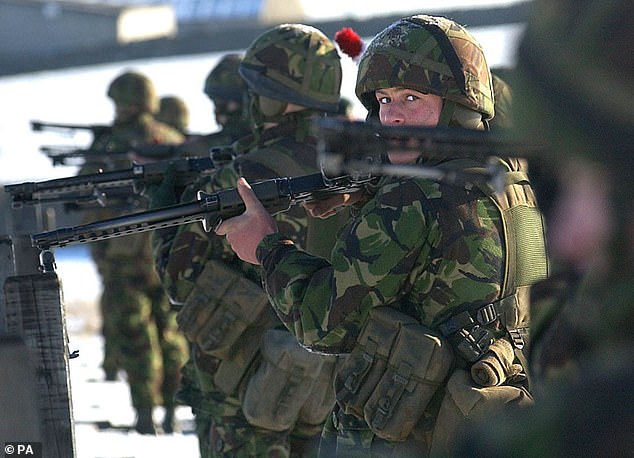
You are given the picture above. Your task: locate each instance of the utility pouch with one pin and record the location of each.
(322, 397)
(203, 299)
(231, 371)
(465, 403)
(281, 385)
(418, 363)
(243, 305)
(364, 367)
(220, 308)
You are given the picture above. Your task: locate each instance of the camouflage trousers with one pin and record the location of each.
(350, 437)
(230, 434)
(141, 337)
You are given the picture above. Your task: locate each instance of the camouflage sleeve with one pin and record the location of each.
(325, 303)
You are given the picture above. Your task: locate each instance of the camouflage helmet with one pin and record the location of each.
(575, 84)
(134, 89)
(174, 112)
(224, 81)
(430, 54)
(294, 63)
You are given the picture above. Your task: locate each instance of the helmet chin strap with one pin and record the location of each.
(265, 109)
(446, 115)
(454, 114)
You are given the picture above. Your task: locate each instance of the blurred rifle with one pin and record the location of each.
(277, 195)
(110, 188)
(96, 129)
(68, 155)
(357, 147)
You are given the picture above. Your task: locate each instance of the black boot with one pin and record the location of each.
(144, 421)
(111, 374)
(170, 424)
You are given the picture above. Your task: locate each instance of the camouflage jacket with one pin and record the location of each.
(423, 247)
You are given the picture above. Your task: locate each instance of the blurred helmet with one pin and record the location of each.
(174, 112)
(503, 99)
(292, 63)
(134, 89)
(224, 81)
(575, 82)
(433, 55)
(345, 108)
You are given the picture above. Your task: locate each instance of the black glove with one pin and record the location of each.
(164, 193)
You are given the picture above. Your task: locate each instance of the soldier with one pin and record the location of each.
(173, 111)
(140, 332)
(260, 393)
(426, 288)
(346, 109)
(575, 89)
(228, 92)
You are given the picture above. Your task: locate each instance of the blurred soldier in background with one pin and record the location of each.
(259, 392)
(575, 89)
(346, 109)
(173, 111)
(139, 329)
(228, 92)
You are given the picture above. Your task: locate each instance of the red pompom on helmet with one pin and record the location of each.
(349, 42)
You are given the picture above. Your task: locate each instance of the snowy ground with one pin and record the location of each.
(95, 401)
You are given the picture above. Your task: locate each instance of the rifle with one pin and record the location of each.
(360, 147)
(105, 187)
(276, 194)
(64, 155)
(96, 129)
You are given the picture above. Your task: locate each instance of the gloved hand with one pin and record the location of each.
(164, 193)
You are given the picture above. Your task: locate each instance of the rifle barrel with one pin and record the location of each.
(119, 226)
(352, 138)
(85, 187)
(276, 194)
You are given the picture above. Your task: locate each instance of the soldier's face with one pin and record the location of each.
(222, 108)
(407, 107)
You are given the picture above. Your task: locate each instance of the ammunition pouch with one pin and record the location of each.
(289, 382)
(321, 401)
(392, 373)
(233, 371)
(222, 305)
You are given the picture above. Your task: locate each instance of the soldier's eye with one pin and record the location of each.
(384, 100)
